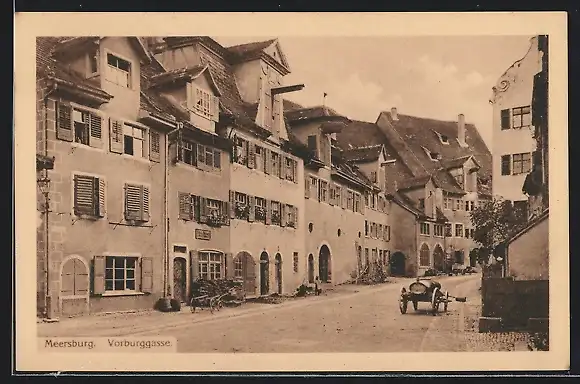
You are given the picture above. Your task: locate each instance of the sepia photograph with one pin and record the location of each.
(265, 192)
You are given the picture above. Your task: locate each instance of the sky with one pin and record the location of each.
(427, 76)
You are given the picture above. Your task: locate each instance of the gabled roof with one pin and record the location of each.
(363, 154)
(184, 74)
(79, 42)
(290, 105)
(313, 113)
(531, 224)
(416, 132)
(458, 162)
(47, 66)
(255, 50)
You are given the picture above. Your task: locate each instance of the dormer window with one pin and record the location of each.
(202, 102)
(434, 156)
(118, 71)
(92, 63)
(444, 139)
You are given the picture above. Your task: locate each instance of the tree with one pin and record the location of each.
(495, 221)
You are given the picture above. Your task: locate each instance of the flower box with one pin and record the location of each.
(242, 211)
(260, 214)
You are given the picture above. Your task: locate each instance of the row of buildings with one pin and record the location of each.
(164, 160)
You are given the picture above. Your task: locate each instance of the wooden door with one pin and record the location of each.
(180, 279)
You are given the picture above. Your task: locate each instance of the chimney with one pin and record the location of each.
(461, 128)
(394, 114)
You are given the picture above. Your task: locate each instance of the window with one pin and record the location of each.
(202, 102)
(421, 204)
(380, 255)
(291, 213)
(386, 256)
(459, 178)
(275, 161)
(373, 201)
(469, 206)
(469, 233)
(338, 192)
(241, 155)
(242, 210)
(136, 202)
(323, 191)
(210, 265)
(120, 273)
(295, 262)
(458, 230)
(380, 234)
(291, 169)
(522, 163)
(447, 203)
(387, 233)
(276, 214)
(188, 153)
(186, 206)
(238, 268)
(424, 228)
(350, 200)
(424, 256)
(374, 176)
(505, 119)
(521, 117)
(259, 156)
(133, 140)
(89, 196)
(312, 143)
(357, 203)
(78, 125)
(260, 209)
(93, 63)
(366, 256)
(118, 71)
(448, 230)
(506, 165)
(457, 204)
(366, 228)
(438, 230)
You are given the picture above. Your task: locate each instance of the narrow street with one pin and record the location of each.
(364, 319)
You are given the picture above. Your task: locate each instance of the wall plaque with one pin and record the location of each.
(202, 234)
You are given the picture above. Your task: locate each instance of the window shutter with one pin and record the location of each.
(267, 164)
(232, 204)
(225, 212)
(283, 214)
(252, 212)
(344, 198)
(84, 195)
(154, 146)
(102, 197)
(307, 187)
(361, 205)
(268, 212)
(251, 155)
(229, 265)
(331, 194)
(116, 136)
(506, 165)
(217, 158)
(185, 206)
(200, 153)
(64, 128)
(295, 171)
(215, 109)
(196, 207)
(202, 210)
(99, 275)
(96, 131)
(146, 274)
(505, 119)
(295, 216)
(193, 261)
(145, 214)
(132, 202)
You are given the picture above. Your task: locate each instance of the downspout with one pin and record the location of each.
(46, 205)
(166, 213)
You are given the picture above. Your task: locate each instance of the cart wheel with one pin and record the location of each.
(219, 305)
(415, 305)
(446, 302)
(435, 301)
(403, 302)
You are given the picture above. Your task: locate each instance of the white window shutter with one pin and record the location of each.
(190, 95)
(102, 197)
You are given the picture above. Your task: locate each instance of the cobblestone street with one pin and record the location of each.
(348, 318)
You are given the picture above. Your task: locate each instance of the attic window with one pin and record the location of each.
(118, 71)
(434, 156)
(444, 139)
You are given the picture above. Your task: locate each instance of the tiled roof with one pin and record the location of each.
(187, 73)
(417, 132)
(46, 65)
(413, 182)
(363, 154)
(440, 216)
(454, 163)
(249, 50)
(446, 182)
(290, 105)
(316, 112)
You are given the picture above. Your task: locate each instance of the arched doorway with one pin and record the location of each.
(264, 273)
(278, 272)
(324, 264)
(311, 268)
(180, 279)
(397, 264)
(245, 270)
(438, 258)
(74, 286)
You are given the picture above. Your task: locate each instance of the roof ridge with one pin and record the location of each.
(251, 42)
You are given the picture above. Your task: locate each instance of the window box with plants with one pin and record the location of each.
(276, 218)
(214, 220)
(242, 211)
(260, 214)
(291, 224)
